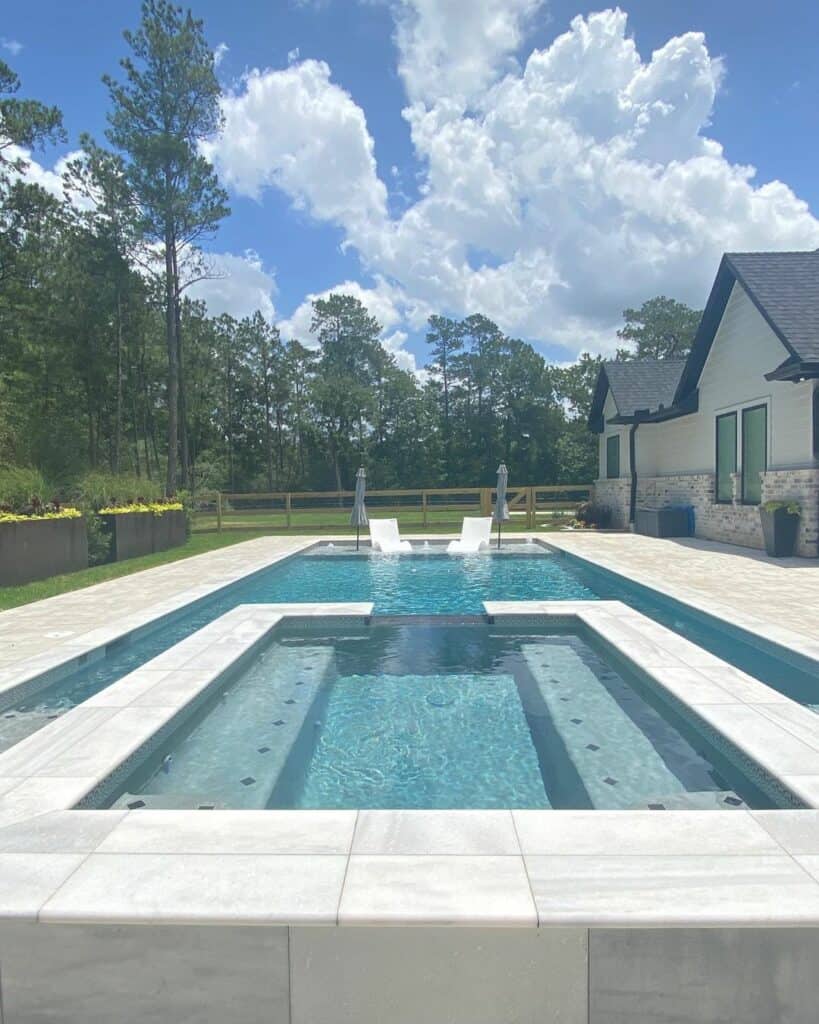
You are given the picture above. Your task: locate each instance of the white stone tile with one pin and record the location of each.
(761, 738)
(86, 974)
(40, 794)
(27, 880)
(110, 744)
(423, 833)
(742, 686)
(33, 755)
(224, 832)
(437, 975)
(602, 833)
(195, 888)
(59, 832)
(672, 890)
(800, 721)
(126, 690)
(689, 684)
(176, 689)
(436, 890)
(796, 831)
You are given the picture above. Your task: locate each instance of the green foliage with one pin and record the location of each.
(100, 540)
(97, 489)
(793, 508)
(157, 508)
(660, 329)
(20, 485)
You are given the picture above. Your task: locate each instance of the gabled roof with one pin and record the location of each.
(784, 287)
(638, 386)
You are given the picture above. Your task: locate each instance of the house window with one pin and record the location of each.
(726, 455)
(754, 452)
(613, 456)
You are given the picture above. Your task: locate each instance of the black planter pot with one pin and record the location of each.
(780, 529)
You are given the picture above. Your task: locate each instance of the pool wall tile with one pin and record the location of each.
(85, 974)
(457, 976)
(703, 976)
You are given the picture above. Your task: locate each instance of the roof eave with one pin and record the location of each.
(794, 370)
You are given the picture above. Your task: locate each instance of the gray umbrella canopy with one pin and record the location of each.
(501, 512)
(358, 516)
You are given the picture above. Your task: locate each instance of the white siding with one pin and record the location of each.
(609, 410)
(744, 350)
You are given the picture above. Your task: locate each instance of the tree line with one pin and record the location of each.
(107, 363)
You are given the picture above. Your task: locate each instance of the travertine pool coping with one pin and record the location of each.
(502, 868)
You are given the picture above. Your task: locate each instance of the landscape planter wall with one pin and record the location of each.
(40, 548)
(142, 533)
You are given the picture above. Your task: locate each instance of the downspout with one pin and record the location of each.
(632, 459)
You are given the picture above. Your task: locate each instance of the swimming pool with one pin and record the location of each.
(429, 582)
(429, 713)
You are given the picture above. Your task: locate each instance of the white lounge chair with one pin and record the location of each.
(476, 534)
(384, 536)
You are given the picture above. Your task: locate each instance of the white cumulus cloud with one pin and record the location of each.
(239, 285)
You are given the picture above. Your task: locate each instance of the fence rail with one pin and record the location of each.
(530, 507)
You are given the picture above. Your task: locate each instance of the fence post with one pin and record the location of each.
(219, 511)
(486, 501)
(287, 508)
(424, 507)
(531, 518)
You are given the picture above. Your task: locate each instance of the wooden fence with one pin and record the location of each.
(428, 508)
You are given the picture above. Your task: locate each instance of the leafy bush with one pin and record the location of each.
(21, 487)
(591, 514)
(98, 490)
(792, 507)
(51, 510)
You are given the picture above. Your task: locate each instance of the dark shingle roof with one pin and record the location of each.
(786, 287)
(636, 385)
(639, 384)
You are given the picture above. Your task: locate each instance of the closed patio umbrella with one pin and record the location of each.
(358, 516)
(501, 513)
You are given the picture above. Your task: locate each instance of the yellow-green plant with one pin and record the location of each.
(22, 517)
(157, 507)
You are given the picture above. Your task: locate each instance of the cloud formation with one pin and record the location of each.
(556, 191)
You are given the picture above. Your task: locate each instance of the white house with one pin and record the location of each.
(733, 425)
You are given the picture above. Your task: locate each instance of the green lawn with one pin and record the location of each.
(11, 597)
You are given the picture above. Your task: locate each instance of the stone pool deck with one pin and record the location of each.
(776, 598)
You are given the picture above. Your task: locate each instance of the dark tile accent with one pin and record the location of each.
(290, 701)
(733, 801)
(656, 807)
(206, 807)
(135, 804)
(263, 750)
(248, 780)
(564, 698)
(592, 746)
(577, 721)
(279, 721)
(610, 781)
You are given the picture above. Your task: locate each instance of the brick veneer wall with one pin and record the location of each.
(731, 523)
(615, 495)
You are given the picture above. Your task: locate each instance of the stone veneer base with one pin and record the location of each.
(729, 522)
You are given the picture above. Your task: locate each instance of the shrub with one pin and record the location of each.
(792, 507)
(21, 487)
(592, 514)
(100, 541)
(98, 490)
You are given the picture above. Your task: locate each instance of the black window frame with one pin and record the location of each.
(722, 416)
(609, 474)
(749, 409)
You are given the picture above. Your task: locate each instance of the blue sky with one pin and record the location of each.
(548, 175)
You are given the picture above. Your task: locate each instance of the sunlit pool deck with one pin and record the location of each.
(571, 915)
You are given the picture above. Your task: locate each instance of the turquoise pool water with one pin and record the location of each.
(430, 714)
(427, 583)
